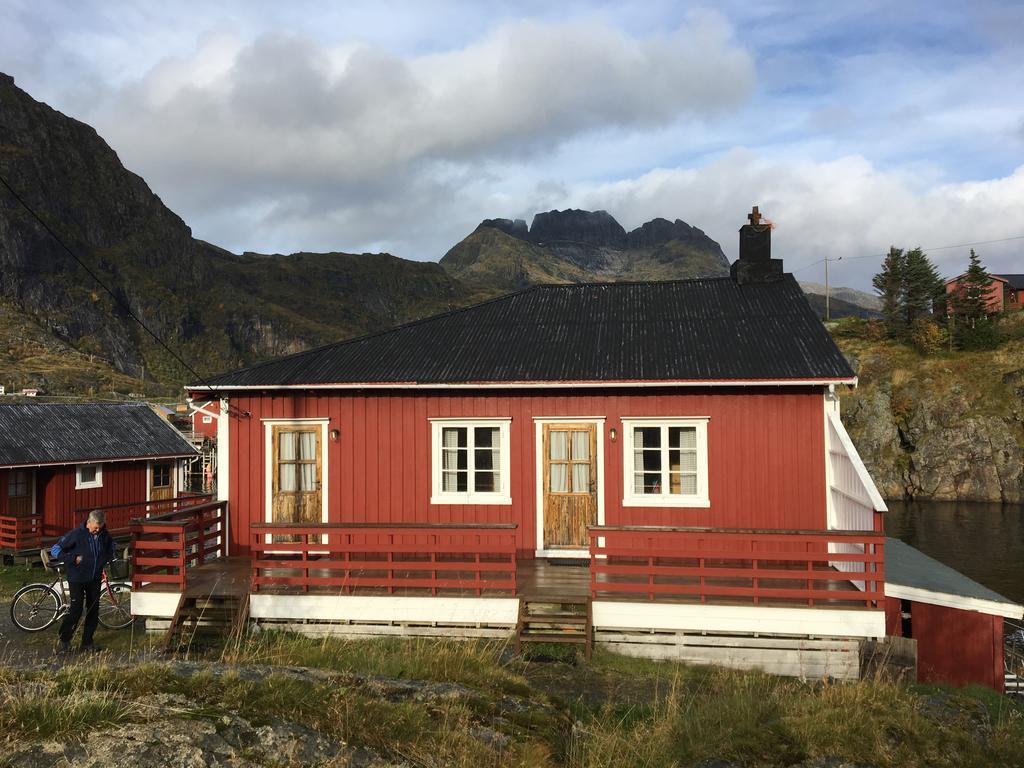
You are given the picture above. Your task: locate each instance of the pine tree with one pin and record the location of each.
(969, 300)
(889, 285)
(922, 287)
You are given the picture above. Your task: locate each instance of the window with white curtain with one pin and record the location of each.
(88, 476)
(470, 461)
(665, 462)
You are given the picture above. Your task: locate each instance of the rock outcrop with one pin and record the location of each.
(942, 432)
(576, 226)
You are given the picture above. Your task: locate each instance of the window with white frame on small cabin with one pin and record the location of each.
(88, 476)
(470, 461)
(665, 462)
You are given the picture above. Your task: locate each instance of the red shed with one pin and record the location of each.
(957, 622)
(59, 460)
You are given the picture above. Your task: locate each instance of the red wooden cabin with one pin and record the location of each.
(58, 461)
(658, 467)
(1004, 292)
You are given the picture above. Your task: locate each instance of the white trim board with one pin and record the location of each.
(804, 622)
(75, 462)
(156, 604)
(538, 429)
(450, 610)
(948, 600)
(535, 384)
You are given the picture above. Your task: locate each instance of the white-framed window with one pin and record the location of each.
(88, 476)
(470, 461)
(665, 462)
(207, 419)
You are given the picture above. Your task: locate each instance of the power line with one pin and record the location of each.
(117, 301)
(883, 255)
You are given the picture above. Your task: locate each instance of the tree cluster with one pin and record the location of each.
(910, 289)
(916, 308)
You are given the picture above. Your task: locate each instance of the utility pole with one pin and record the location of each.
(827, 260)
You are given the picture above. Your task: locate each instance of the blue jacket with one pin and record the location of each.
(96, 551)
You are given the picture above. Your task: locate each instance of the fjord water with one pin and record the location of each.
(983, 541)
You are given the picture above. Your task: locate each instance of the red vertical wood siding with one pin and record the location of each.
(957, 647)
(893, 617)
(57, 498)
(765, 454)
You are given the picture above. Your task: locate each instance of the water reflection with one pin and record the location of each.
(983, 541)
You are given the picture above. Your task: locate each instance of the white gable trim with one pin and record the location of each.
(536, 384)
(948, 600)
(874, 497)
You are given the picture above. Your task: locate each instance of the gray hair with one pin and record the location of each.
(97, 516)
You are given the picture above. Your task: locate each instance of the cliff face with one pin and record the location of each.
(947, 428)
(217, 309)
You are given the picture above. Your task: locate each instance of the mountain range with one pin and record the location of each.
(220, 310)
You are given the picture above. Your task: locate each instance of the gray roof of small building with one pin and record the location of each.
(1016, 281)
(906, 566)
(705, 329)
(66, 433)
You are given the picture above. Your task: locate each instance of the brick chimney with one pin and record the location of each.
(755, 264)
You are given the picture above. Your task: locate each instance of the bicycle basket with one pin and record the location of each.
(117, 569)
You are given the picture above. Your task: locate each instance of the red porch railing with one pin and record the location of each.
(345, 558)
(21, 532)
(166, 546)
(120, 516)
(716, 564)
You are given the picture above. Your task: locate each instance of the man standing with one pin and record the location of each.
(85, 550)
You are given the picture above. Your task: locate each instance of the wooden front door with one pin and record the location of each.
(161, 481)
(570, 484)
(296, 486)
(19, 493)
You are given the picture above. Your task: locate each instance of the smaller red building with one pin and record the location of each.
(1004, 293)
(58, 461)
(957, 622)
(204, 418)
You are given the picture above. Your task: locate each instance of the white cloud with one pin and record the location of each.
(846, 207)
(282, 117)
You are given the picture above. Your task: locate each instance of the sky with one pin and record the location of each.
(370, 126)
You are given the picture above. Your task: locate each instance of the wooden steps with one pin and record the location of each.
(555, 620)
(223, 617)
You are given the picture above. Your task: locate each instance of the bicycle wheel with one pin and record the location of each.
(35, 607)
(116, 606)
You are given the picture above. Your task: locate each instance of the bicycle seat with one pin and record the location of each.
(50, 563)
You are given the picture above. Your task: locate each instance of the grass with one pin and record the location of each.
(475, 664)
(611, 711)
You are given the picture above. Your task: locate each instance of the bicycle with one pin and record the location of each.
(37, 606)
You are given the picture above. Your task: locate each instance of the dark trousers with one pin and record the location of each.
(85, 593)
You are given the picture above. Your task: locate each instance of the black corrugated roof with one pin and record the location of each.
(906, 566)
(1016, 281)
(65, 433)
(684, 330)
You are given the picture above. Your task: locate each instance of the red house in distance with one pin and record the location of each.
(658, 468)
(58, 461)
(1004, 293)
